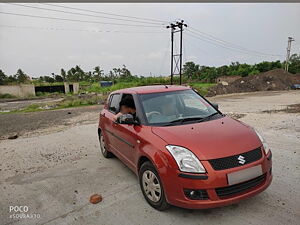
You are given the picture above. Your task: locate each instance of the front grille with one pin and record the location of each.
(196, 194)
(233, 161)
(237, 188)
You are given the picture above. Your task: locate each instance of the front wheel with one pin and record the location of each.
(152, 187)
(103, 147)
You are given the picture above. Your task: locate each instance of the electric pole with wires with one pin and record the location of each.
(288, 52)
(177, 57)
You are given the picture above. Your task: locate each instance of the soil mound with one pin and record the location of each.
(272, 80)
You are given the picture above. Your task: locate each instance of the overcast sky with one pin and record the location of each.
(32, 45)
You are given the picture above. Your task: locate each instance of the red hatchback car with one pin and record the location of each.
(184, 150)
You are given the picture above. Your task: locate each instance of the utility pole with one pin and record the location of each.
(177, 58)
(288, 52)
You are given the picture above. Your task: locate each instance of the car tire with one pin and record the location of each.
(103, 148)
(154, 194)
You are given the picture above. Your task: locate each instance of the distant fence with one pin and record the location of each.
(50, 89)
(106, 83)
(27, 90)
(22, 90)
(65, 88)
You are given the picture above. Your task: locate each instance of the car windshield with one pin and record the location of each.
(176, 107)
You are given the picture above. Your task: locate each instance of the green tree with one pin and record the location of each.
(12, 79)
(254, 72)
(63, 74)
(267, 66)
(22, 77)
(89, 76)
(48, 79)
(294, 66)
(223, 70)
(125, 73)
(97, 73)
(190, 70)
(80, 74)
(58, 78)
(3, 77)
(73, 74)
(111, 75)
(116, 72)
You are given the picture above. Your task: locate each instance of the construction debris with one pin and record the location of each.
(272, 80)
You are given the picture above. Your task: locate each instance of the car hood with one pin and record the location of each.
(211, 139)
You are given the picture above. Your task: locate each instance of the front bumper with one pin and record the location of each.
(212, 182)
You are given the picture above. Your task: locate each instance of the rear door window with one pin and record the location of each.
(114, 103)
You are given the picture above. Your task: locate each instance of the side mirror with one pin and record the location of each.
(215, 105)
(113, 109)
(127, 119)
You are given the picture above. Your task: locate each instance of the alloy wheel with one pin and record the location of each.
(102, 144)
(151, 186)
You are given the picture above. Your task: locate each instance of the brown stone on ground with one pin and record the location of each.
(95, 198)
(15, 136)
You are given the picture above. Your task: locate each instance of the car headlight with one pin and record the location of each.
(185, 159)
(263, 141)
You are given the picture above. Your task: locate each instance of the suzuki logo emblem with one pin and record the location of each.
(241, 159)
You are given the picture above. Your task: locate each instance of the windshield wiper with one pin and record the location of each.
(198, 119)
(210, 116)
(182, 120)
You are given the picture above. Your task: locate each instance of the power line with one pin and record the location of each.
(164, 57)
(81, 30)
(233, 46)
(225, 46)
(184, 51)
(208, 38)
(213, 43)
(74, 20)
(105, 13)
(211, 37)
(81, 14)
(201, 50)
(229, 44)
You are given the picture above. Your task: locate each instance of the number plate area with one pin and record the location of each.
(244, 175)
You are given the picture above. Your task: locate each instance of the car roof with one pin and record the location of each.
(151, 89)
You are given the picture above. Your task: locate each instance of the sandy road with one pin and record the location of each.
(55, 173)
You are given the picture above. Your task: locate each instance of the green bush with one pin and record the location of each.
(202, 88)
(7, 96)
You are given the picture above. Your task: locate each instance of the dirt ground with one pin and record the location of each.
(12, 104)
(54, 172)
(29, 124)
(273, 80)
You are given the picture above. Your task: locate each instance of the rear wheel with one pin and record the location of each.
(152, 187)
(103, 147)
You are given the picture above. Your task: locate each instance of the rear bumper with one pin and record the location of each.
(214, 180)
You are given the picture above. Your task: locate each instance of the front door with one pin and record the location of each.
(113, 108)
(126, 142)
